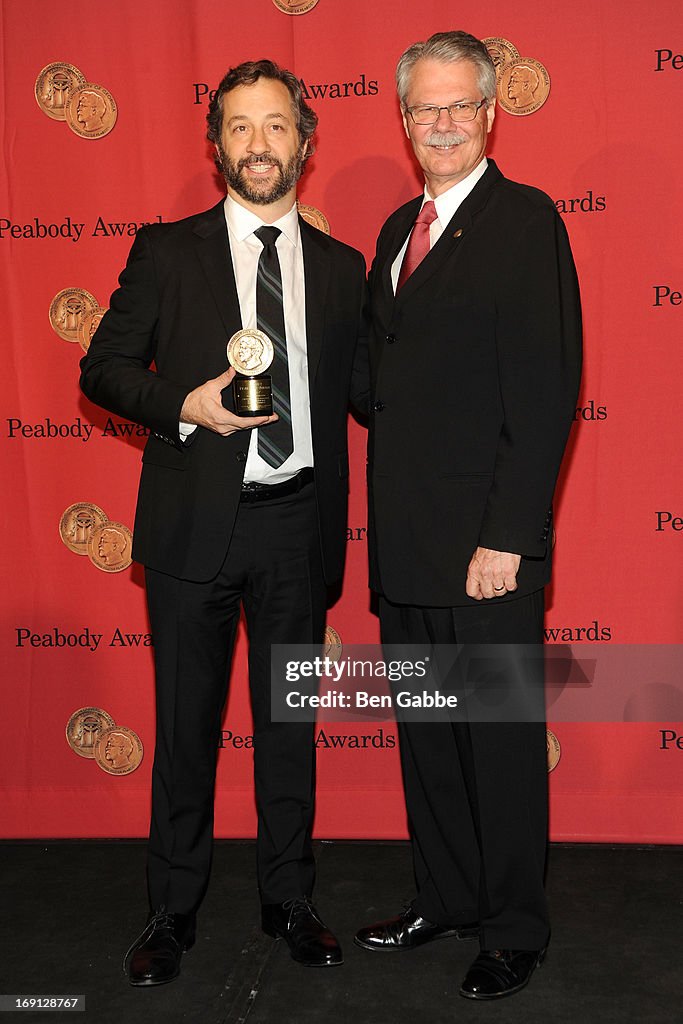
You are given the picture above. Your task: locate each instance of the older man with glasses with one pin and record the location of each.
(475, 364)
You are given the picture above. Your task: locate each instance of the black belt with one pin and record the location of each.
(264, 492)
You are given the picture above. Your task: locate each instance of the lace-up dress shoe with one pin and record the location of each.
(500, 972)
(297, 922)
(407, 931)
(154, 958)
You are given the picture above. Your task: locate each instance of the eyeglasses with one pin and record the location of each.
(456, 111)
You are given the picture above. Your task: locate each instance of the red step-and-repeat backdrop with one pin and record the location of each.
(103, 129)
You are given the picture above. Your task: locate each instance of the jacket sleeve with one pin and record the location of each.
(538, 344)
(116, 371)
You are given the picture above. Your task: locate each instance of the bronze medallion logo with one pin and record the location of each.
(85, 727)
(53, 87)
(91, 111)
(77, 524)
(295, 6)
(314, 217)
(109, 547)
(553, 750)
(523, 86)
(68, 309)
(332, 644)
(501, 51)
(118, 750)
(250, 352)
(88, 326)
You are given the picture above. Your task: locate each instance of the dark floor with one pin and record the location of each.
(71, 909)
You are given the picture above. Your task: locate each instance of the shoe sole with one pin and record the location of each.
(462, 934)
(329, 963)
(149, 983)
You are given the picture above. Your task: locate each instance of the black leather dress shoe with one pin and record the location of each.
(407, 931)
(154, 957)
(310, 941)
(500, 972)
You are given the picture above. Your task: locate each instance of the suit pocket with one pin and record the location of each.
(159, 453)
(466, 477)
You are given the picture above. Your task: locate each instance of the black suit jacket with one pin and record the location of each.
(475, 369)
(166, 333)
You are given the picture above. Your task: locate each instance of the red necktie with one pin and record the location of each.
(418, 246)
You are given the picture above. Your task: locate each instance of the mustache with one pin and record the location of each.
(261, 158)
(444, 139)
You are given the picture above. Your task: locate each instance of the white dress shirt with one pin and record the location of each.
(446, 204)
(246, 249)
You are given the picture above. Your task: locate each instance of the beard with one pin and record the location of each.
(262, 194)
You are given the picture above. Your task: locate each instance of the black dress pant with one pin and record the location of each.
(273, 570)
(476, 791)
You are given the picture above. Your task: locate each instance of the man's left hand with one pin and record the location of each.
(491, 573)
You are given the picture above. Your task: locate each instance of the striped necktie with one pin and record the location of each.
(275, 442)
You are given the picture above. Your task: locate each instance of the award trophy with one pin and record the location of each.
(250, 352)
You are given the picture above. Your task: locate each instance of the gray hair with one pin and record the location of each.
(447, 48)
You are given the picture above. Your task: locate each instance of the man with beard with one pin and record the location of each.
(475, 361)
(235, 512)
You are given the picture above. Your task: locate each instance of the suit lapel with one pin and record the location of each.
(455, 232)
(316, 275)
(394, 245)
(213, 251)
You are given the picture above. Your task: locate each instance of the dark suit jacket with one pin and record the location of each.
(176, 308)
(475, 369)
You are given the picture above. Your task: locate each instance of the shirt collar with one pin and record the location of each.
(242, 222)
(448, 202)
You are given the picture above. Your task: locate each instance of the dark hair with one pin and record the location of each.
(247, 74)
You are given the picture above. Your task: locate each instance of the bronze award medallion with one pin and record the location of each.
(118, 750)
(523, 86)
(68, 309)
(501, 52)
(553, 749)
(109, 547)
(85, 727)
(332, 645)
(314, 217)
(54, 85)
(250, 352)
(88, 326)
(295, 6)
(91, 111)
(77, 524)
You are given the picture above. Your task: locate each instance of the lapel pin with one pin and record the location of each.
(458, 233)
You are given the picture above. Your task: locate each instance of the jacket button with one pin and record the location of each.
(391, 338)
(378, 406)
(241, 456)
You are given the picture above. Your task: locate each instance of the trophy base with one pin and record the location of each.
(253, 396)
